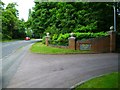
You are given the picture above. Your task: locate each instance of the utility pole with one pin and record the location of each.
(115, 16)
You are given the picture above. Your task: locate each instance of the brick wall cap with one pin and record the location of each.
(83, 40)
(109, 32)
(71, 38)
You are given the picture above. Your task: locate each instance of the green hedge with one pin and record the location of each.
(88, 35)
(62, 39)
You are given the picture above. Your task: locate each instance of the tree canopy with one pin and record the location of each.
(12, 27)
(67, 17)
(57, 18)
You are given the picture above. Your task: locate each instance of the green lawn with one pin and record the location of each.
(105, 81)
(43, 49)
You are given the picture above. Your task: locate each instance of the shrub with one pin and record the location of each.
(89, 35)
(54, 37)
(6, 37)
(43, 40)
(62, 39)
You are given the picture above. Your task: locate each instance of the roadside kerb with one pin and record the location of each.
(82, 82)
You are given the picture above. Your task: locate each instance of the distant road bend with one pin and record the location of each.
(10, 47)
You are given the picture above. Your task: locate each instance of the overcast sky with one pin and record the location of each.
(23, 7)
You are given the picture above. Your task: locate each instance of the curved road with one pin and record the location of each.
(59, 71)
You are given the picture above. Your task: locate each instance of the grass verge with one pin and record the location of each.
(9, 40)
(105, 81)
(43, 49)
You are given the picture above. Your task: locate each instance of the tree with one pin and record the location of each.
(1, 10)
(67, 17)
(12, 27)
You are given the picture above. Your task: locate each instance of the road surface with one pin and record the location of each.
(12, 54)
(23, 69)
(11, 47)
(61, 71)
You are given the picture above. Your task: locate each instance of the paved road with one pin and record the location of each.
(61, 71)
(10, 47)
(12, 54)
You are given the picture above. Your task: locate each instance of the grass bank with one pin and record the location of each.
(43, 49)
(7, 40)
(105, 81)
(10, 40)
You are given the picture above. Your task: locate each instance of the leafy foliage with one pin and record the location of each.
(62, 39)
(86, 20)
(12, 27)
(57, 18)
(67, 17)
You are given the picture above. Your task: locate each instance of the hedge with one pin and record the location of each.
(62, 39)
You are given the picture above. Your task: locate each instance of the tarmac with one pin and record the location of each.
(61, 71)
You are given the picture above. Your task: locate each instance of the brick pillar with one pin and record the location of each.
(47, 40)
(112, 41)
(72, 43)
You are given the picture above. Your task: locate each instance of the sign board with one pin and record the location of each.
(85, 46)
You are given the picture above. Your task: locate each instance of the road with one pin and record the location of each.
(12, 54)
(23, 69)
(10, 47)
(61, 71)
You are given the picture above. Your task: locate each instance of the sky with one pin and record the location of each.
(23, 7)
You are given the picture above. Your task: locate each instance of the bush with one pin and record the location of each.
(6, 37)
(62, 39)
(43, 40)
(54, 37)
(89, 35)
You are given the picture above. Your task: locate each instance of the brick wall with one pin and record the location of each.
(101, 44)
(96, 45)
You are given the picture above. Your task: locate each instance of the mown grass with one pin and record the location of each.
(105, 81)
(43, 49)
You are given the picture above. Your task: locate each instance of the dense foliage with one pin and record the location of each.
(85, 19)
(12, 27)
(62, 39)
(66, 17)
(57, 18)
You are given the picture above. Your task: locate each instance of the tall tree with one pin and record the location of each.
(66, 17)
(1, 10)
(12, 27)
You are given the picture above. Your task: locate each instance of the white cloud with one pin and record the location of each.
(23, 7)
